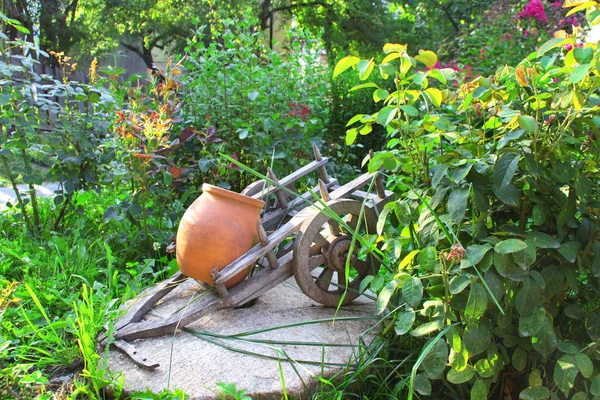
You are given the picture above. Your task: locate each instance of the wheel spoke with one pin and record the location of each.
(324, 279)
(334, 227)
(341, 275)
(362, 267)
(319, 239)
(316, 261)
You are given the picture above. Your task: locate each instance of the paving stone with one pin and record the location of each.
(195, 365)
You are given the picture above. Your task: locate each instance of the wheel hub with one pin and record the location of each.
(337, 253)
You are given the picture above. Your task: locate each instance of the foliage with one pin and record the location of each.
(495, 231)
(263, 105)
(62, 124)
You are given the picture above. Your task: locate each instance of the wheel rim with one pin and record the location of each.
(322, 248)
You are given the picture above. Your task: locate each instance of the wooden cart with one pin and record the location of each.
(297, 237)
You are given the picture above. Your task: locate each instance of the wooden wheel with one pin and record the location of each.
(321, 250)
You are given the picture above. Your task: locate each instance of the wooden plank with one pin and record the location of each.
(251, 256)
(137, 358)
(247, 290)
(308, 168)
(355, 184)
(148, 299)
(373, 199)
(273, 218)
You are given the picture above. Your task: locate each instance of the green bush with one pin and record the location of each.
(495, 229)
(261, 104)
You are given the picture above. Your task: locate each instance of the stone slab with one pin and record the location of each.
(195, 365)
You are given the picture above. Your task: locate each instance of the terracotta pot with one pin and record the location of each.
(217, 228)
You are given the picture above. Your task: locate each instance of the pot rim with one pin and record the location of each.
(233, 195)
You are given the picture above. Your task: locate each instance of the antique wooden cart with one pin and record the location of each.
(298, 237)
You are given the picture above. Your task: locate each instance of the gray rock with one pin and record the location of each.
(195, 365)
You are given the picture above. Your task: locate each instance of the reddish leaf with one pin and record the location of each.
(175, 171)
(187, 133)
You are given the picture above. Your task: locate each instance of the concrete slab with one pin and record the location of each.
(195, 365)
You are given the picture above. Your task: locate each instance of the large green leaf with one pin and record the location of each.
(476, 304)
(476, 252)
(427, 258)
(551, 44)
(510, 246)
(435, 361)
(404, 322)
(344, 64)
(505, 170)
(543, 240)
(535, 393)
(519, 359)
(427, 328)
(531, 323)
(592, 325)
(386, 115)
(412, 291)
(479, 391)
(565, 372)
(585, 365)
(384, 296)
(457, 204)
(458, 377)
(476, 338)
(528, 297)
(528, 123)
(422, 385)
(459, 283)
(544, 341)
(484, 368)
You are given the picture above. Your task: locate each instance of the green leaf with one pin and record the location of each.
(365, 67)
(528, 297)
(544, 341)
(427, 328)
(505, 169)
(422, 385)
(435, 361)
(570, 250)
(427, 57)
(384, 296)
(404, 322)
(383, 217)
(380, 94)
(479, 391)
(427, 258)
(476, 304)
(476, 338)
(535, 393)
(457, 204)
(458, 377)
(528, 123)
(476, 252)
(531, 323)
(551, 44)
(412, 291)
(580, 72)
(595, 386)
(351, 136)
(596, 265)
(543, 240)
(585, 365)
(438, 75)
(364, 86)
(519, 359)
(410, 110)
(592, 326)
(565, 372)
(583, 55)
(539, 215)
(344, 64)
(386, 115)
(510, 246)
(459, 283)
(484, 368)
(435, 96)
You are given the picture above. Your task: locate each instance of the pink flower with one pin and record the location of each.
(534, 10)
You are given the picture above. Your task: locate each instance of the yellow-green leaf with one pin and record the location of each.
(390, 57)
(394, 47)
(344, 64)
(427, 57)
(435, 95)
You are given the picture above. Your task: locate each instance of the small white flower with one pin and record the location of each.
(156, 246)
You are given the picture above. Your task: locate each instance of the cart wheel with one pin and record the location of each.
(321, 250)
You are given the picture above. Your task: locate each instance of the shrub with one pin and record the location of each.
(495, 229)
(262, 104)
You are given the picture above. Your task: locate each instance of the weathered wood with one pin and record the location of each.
(273, 218)
(132, 352)
(379, 186)
(148, 299)
(280, 194)
(322, 170)
(221, 289)
(264, 240)
(324, 192)
(249, 258)
(291, 178)
(251, 288)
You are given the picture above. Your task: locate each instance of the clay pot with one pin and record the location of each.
(216, 229)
